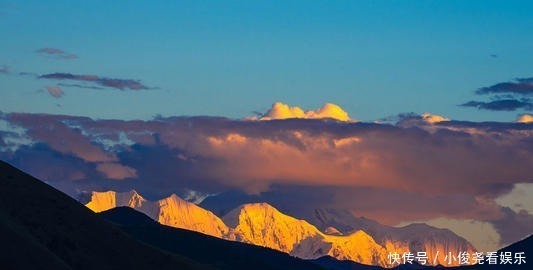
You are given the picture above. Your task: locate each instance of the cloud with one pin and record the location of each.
(501, 105)
(434, 118)
(522, 86)
(481, 234)
(80, 86)
(116, 171)
(55, 91)
(430, 122)
(506, 96)
(283, 111)
(30, 74)
(7, 9)
(121, 84)
(4, 69)
(513, 226)
(418, 171)
(61, 137)
(525, 118)
(56, 53)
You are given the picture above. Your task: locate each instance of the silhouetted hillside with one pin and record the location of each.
(331, 263)
(42, 228)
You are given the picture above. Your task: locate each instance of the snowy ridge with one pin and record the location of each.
(171, 211)
(414, 237)
(345, 237)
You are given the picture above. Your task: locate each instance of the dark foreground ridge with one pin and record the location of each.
(42, 228)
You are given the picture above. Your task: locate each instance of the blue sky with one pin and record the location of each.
(373, 58)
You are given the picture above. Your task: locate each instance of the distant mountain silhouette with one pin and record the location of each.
(42, 228)
(222, 254)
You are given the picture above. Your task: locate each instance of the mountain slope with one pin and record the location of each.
(413, 237)
(210, 250)
(42, 228)
(259, 224)
(172, 211)
(262, 224)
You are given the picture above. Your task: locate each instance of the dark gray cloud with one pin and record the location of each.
(513, 226)
(56, 53)
(525, 80)
(501, 105)
(121, 84)
(522, 86)
(506, 96)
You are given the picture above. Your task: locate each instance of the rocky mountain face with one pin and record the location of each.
(337, 233)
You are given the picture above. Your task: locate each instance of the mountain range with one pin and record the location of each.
(42, 228)
(332, 232)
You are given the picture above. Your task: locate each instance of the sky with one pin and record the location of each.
(232, 58)
(400, 111)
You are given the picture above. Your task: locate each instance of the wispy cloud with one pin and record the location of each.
(7, 9)
(80, 86)
(506, 96)
(29, 74)
(4, 69)
(56, 53)
(55, 91)
(522, 86)
(501, 105)
(116, 171)
(121, 84)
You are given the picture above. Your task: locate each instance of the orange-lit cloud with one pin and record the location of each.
(433, 118)
(116, 171)
(525, 118)
(283, 111)
(55, 91)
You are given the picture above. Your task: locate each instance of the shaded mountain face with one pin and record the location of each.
(222, 254)
(42, 228)
(263, 225)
